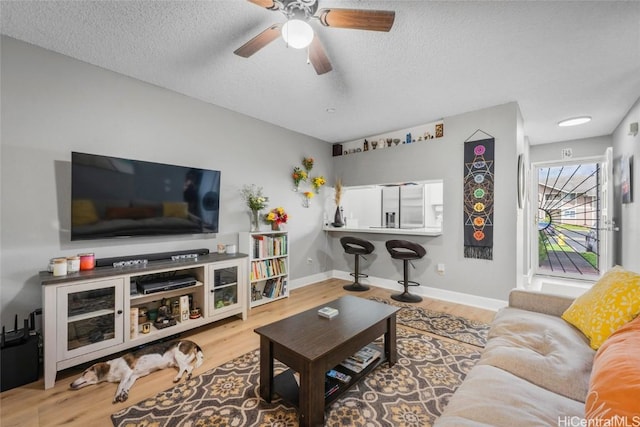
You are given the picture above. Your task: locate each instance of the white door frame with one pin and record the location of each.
(605, 256)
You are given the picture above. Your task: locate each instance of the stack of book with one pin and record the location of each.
(363, 358)
(274, 288)
(268, 246)
(268, 268)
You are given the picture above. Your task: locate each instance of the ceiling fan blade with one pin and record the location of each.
(318, 57)
(357, 19)
(259, 41)
(268, 4)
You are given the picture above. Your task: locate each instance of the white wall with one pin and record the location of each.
(442, 158)
(581, 148)
(52, 104)
(627, 216)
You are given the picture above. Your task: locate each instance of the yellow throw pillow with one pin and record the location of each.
(612, 302)
(83, 212)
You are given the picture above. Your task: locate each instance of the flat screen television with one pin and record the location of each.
(115, 197)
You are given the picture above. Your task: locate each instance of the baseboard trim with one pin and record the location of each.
(425, 291)
(309, 280)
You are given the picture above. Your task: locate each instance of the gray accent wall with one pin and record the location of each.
(442, 158)
(52, 105)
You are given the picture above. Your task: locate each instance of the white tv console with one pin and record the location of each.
(88, 315)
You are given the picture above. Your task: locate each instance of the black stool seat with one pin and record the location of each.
(406, 251)
(357, 247)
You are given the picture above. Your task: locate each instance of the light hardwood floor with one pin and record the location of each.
(31, 405)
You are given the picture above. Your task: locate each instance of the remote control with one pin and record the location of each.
(339, 376)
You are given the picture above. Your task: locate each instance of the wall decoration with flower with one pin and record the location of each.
(303, 174)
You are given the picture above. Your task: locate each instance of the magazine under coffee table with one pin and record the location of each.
(312, 345)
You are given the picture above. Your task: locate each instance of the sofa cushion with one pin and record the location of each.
(613, 301)
(542, 349)
(490, 396)
(615, 380)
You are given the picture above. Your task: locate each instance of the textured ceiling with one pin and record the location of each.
(557, 59)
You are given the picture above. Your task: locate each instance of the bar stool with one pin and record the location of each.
(359, 248)
(406, 251)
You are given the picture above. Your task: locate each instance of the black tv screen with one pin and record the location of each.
(115, 197)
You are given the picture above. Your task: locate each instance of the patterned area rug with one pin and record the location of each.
(412, 393)
(438, 323)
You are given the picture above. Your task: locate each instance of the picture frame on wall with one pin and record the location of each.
(521, 181)
(626, 179)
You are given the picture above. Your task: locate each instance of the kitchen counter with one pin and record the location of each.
(429, 231)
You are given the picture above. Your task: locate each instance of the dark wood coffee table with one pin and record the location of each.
(312, 345)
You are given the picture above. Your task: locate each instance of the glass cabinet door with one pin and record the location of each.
(224, 291)
(90, 317)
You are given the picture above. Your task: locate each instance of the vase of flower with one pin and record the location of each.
(275, 217)
(298, 175)
(255, 220)
(255, 201)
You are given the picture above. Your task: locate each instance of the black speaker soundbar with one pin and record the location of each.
(109, 262)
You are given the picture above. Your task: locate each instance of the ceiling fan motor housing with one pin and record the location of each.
(297, 9)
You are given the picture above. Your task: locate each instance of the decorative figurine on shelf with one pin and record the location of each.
(366, 145)
(337, 220)
(254, 199)
(318, 182)
(276, 217)
(298, 175)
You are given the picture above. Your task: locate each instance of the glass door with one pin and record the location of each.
(224, 292)
(569, 220)
(90, 317)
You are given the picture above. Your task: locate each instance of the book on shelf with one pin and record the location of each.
(133, 322)
(268, 268)
(274, 288)
(265, 246)
(366, 356)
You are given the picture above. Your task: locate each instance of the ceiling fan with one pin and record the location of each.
(298, 34)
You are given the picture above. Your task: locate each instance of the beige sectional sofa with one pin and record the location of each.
(534, 370)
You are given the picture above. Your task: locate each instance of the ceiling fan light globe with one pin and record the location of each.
(297, 34)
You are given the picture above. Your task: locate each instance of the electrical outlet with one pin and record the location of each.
(309, 261)
(440, 269)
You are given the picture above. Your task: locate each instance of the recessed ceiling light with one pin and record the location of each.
(575, 121)
(330, 110)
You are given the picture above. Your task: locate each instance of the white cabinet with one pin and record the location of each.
(92, 314)
(268, 270)
(227, 290)
(91, 317)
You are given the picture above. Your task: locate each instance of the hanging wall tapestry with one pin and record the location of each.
(478, 194)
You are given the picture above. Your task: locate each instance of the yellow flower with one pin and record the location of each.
(271, 216)
(308, 194)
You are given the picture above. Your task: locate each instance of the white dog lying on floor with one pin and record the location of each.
(131, 366)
